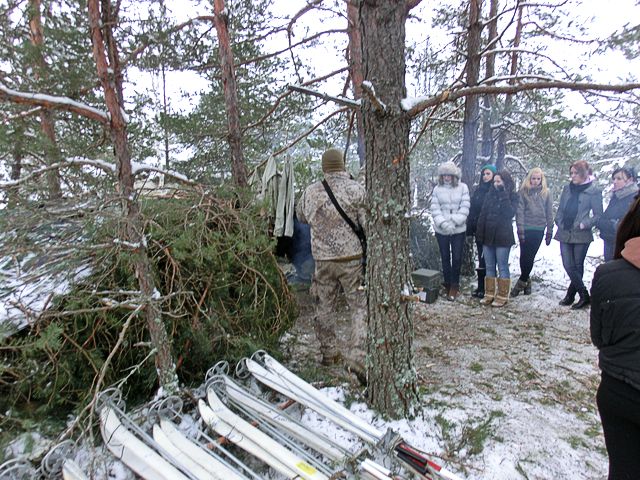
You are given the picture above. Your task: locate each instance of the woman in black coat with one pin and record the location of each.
(495, 232)
(623, 191)
(615, 331)
(477, 200)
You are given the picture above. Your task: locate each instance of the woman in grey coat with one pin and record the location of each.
(579, 211)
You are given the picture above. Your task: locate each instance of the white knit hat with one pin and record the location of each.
(449, 168)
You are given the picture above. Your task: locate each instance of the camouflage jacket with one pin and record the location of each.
(331, 237)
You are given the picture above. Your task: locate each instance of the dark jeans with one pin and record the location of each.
(481, 263)
(451, 256)
(573, 255)
(619, 407)
(609, 249)
(528, 251)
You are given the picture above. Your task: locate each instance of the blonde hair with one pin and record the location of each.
(526, 183)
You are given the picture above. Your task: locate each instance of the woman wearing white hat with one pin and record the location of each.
(449, 210)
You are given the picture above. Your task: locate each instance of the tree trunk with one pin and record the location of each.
(392, 376)
(471, 104)
(238, 167)
(501, 149)
(51, 151)
(355, 71)
(488, 100)
(16, 167)
(110, 78)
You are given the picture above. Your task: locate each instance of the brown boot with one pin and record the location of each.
(489, 290)
(331, 358)
(454, 291)
(502, 296)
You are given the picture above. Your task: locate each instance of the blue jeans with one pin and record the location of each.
(573, 255)
(451, 256)
(497, 256)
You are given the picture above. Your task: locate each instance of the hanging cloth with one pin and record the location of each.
(285, 204)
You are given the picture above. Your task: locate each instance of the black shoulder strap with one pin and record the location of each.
(356, 228)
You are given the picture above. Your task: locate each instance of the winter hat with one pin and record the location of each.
(489, 167)
(332, 161)
(449, 168)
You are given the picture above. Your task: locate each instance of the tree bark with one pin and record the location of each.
(234, 134)
(355, 71)
(51, 150)
(392, 376)
(471, 104)
(489, 100)
(111, 80)
(501, 149)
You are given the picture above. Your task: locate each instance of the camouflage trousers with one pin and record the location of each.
(330, 277)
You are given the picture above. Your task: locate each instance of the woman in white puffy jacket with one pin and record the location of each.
(449, 210)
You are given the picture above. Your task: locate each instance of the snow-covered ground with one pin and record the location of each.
(507, 393)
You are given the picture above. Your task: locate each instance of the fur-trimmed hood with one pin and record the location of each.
(449, 168)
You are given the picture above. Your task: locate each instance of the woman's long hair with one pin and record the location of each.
(629, 227)
(509, 184)
(526, 183)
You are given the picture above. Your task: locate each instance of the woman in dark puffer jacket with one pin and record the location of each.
(495, 231)
(615, 330)
(477, 200)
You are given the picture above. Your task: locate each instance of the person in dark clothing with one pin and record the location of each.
(477, 199)
(624, 189)
(495, 232)
(534, 215)
(615, 331)
(579, 211)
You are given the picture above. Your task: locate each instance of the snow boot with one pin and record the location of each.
(527, 288)
(583, 301)
(453, 293)
(479, 292)
(518, 288)
(569, 297)
(502, 295)
(489, 290)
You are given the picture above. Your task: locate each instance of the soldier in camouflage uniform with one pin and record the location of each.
(338, 256)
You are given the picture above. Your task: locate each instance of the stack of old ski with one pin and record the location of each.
(277, 438)
(168, 453)
(274, 375)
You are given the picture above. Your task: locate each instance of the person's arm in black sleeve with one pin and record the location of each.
(595, 316)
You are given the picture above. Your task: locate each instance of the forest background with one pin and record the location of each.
(100, 99)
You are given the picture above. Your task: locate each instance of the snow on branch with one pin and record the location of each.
(415, 106)
(370, 92)
(52, 102)
(330, 98)
(102, 165)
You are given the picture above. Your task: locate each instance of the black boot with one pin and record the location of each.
(569, 297)
(479, 292)
(583, 301)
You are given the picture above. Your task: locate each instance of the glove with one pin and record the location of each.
(446, 226)
(547, 238)
(500, 188)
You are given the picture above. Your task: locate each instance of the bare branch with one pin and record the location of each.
(450, 96)
(330, 98)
